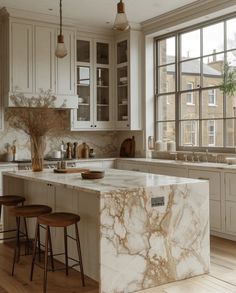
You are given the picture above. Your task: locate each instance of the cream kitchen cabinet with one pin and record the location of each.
(29, 62)
(94, 85)
(21, 57)
(45, 77)
(230, 203)
(132, 166)
(215, 195)
(169, 171)
(128, 81)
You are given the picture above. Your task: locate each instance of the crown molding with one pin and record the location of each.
(187, 13)
(52, 19)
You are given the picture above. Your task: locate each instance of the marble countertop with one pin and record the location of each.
(181, 163)
(113, 180)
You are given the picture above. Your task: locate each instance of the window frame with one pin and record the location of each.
(178, 91)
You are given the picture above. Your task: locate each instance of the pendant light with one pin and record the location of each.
(61, 50)
(121, 21)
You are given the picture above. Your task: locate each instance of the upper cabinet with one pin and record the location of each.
(128, 81)
(31, 65)
(94, 85)
(21, 57)
(44, 58)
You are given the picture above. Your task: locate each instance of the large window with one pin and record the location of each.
(190, 108)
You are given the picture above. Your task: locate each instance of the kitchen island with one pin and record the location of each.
(137, 230)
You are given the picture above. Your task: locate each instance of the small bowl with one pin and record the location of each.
(80, 100)
(93, 175)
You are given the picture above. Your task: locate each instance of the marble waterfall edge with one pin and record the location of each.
(143, 246)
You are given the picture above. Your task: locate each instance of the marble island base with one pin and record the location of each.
(151, 232)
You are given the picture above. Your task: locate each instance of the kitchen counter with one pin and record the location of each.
(137, 230)
(113, 180)
(151, 161)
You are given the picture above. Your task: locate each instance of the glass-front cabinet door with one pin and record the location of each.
(122, 90)
(93, 85)
(84, 113)
(103, 85)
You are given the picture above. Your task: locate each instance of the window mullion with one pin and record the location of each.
(201, 85)
(177, 89)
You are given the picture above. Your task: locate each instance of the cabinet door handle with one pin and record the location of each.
(127, 125)
(202, 178)
(95, 125)
(91, 125)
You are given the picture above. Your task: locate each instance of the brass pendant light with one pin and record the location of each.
(61, 50)
(121, 22)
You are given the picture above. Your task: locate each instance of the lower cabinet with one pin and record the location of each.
(5, 169)
(215, 215)
(169, 171)
(230, 203)
(215, 195)
(230, 218)
(132, 166)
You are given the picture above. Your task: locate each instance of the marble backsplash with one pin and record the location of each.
(104, 143)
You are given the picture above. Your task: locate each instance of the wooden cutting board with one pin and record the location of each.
(127, 149)
(70, 170)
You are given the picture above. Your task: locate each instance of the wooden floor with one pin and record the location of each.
(222, 277)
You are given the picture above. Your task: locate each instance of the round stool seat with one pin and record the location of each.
(58, 219)
(11, 200)
(30, 211)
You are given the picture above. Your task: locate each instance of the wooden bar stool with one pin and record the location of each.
(10, 201)
(27, 211)
(62, 220)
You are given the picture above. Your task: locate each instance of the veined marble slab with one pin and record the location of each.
(141, 245)
(113, 180)
(144, 246)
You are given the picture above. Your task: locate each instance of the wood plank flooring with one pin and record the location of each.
(222, 277)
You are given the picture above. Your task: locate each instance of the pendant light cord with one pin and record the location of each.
(60, 17)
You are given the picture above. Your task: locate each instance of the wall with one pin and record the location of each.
(104, 143)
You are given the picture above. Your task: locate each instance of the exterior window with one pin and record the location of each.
(212, 97)
(211, 132)
(189, 71)
(190, 133)
(189, 96)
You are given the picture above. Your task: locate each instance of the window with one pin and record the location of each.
(212, 97)
(189, 71)
(189, 96)
(189, 133)
(211, 132)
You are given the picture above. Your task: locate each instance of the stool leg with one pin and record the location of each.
(34, 251)
(27, 238)
(46, 261)
(17, 245)
(50, 248)
(79, 253)
(39, 245)
(1, 214)
(66, 249)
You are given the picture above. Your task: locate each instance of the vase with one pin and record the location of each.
(37, 152)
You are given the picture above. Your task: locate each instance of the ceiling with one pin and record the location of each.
(98, 12)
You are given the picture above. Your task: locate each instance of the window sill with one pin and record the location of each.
(212, 105)
(190, 104)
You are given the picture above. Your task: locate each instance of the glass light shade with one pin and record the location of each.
(61, 50)
(121, 22)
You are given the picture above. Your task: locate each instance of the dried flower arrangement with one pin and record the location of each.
(37, 118)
